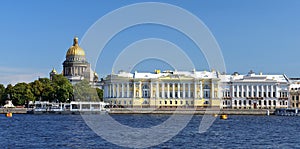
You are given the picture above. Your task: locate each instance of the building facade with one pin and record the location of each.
(172, 89)
(253, 91)
(295, 94)
(168, 89)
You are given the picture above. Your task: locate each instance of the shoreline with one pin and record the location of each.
(196, 112)
(208, 111)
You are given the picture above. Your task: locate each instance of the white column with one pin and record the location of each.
(232, 90)
(127, 90)
(237, 90)
(195, 89)
(113, 90)
(252, 91)
(163, 90)
(212, 90)
(109, 93)
(257, 90)
(168, 90)
(173, 90)
(242, 91)
(151, 90)
(178, 87)
(123, 90)
(219, 93)
(262, 90)
(183, 90)
(267, 91)
(157, 89)
(118, 90)
(189, 90)
(140, 89)
(105, 91)
(276, 91)
(247, 91)
(134, 90)
(272, 90)
(201, 90)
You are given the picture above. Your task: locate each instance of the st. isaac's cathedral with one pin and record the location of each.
(76, 67)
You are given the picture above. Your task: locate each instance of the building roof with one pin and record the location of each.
(167, 73)
(252, 77)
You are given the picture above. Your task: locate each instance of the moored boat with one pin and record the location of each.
(287, 112)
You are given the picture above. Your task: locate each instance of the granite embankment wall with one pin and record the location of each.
(192, 111)
(163, 111)
(14, 110)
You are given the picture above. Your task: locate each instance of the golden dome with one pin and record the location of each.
(75, 50)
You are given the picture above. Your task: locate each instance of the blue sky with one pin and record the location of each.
(260, 35)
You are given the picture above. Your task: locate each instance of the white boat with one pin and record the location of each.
(287, 112)
(69, 108)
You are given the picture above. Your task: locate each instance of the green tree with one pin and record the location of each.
(22, 94)
(7, 93)
(48, 93)
(83, 91)
(2, 93)
(100, 93)
(37, 89)
(62, 87)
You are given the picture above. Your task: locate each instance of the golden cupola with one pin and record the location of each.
(75, 50)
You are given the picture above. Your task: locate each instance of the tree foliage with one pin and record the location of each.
(83, 91)
(58, 90)
(2, 94)
(62, 87)
(22, 94)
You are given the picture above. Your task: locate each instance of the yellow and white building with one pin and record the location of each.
(167, 89)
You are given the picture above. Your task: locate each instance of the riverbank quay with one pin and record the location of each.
(15, 110)
(153, 111)
(191, 111)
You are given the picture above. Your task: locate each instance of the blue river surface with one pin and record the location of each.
(71, 131)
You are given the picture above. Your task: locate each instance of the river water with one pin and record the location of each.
(71, 131)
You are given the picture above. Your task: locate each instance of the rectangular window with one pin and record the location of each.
(170, 102)
(235, 94)
(181, 102)
(244, 94)
(175, 102)
(297, 97)
(166, 102)
(269, 94)
(240, 94)
(274, 94)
